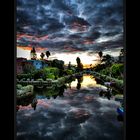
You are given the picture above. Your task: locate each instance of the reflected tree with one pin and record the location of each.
(100, 53)
(34, 103)
(79, 81)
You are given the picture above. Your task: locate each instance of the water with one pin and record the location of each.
(72, 112)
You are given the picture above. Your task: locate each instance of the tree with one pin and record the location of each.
(79, 81)
(33, 54)
(117, 70)
(78, 60)
(100, 53)
(121, 56)
(48, 54)
(40, 74)
(122, 52)
(42, 55)
(79, 64)
(69, 65)
(107, 59)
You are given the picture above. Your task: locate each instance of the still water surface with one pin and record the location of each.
(73, 113)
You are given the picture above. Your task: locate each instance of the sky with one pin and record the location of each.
(70, 28)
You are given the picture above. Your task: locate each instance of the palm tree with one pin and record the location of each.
(48, 54)
(42, 55)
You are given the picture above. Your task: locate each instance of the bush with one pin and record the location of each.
(19, 86)
(50, 76)
(40, 74)
(52, 71)
(68, 72)
(116, 70)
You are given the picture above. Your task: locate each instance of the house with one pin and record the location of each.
(36, 63)
(19, 65)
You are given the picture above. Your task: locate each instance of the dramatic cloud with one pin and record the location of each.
(70, 25)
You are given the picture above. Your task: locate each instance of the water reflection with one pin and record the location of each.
(79, 81)
(74, 114)
(83, 82)
(34, 103)
(107, 93)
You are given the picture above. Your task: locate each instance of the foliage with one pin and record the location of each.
(100, 53)
(24, 89)
(19, 86)
(58, 64)
(117, 70)
(78, 60)
(107, 59)
(48, 54)
(33, 54)
(79, 64)
(121, 56)
(99, 67)
(52, 71)
(105, 71)
(50, 76)
(42, 55)
(69, 65)
(68, 72)
(40, 74)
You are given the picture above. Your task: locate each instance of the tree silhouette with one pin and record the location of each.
(42, 55)
(121, 56)
(78, 60)
(33, 54)
(100, 53)
(122, 52)
(69, 65)
(79, 64)
(48, 54)
(79, 81)
(107, 59)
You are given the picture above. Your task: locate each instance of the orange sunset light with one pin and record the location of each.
(39, 49)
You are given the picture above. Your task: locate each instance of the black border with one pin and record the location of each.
(15, 40)
(125, 75)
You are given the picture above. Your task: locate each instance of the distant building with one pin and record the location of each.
(19, 65)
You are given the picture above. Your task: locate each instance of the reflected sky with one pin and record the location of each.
(78, 115)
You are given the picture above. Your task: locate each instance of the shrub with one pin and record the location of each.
(50, 76)
(52, 71)
(40, 74)
(117, 69)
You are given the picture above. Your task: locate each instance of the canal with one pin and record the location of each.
(73, 112)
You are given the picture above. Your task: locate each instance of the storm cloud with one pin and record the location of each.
(70, 25)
